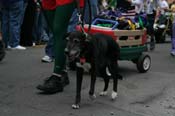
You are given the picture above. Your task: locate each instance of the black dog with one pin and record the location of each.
(97, 52)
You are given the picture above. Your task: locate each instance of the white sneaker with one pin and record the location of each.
(9, 47)
(18, 48)
(33, 44)
(172, 53)
(47, 59)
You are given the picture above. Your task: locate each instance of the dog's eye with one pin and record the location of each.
(67, 38)
(76, 40)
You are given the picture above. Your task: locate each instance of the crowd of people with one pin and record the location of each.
(52, 19)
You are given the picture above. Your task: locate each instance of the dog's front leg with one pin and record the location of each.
(93, 80)
(79, 74)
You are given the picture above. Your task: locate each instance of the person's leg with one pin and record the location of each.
(27, 26)
(94, 10)
(15, 15)
(49, 49)
(150, 30)
(44, 31)
(49, 46)
(5, 25)
(59, 77)
(36, 27)
(23, 11)
(49, 16)
(173, 40)
(61, 22)
(2, 50)
(73, 22)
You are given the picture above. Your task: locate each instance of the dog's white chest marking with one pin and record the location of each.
(85, 66)
(108, 72)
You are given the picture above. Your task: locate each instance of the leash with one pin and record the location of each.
(81, 13)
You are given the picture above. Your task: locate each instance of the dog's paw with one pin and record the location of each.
(114, 95)
(75, 106)
(92, 97)
(103, 93)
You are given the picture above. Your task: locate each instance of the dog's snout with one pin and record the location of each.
(73, 53)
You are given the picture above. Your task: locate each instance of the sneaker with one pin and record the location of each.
(33, 44)
(18, 48)
(51, 85)
(172, 53)
(47, 59)
(9, 47)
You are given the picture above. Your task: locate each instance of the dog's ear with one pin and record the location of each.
(66, 37)
(83, 36)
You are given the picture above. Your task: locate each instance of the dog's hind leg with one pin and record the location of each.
(114, 94)
(92, 85)
(114, 71)
(79, 74)
(106, 83)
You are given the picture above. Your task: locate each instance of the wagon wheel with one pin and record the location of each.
(144, 63)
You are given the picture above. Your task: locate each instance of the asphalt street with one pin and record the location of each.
(139, 94)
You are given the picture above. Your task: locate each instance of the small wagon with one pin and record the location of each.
(132, 43)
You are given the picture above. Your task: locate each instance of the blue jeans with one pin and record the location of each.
(74, 18)
(94, 10)
(11, 23)
(49, 51)
(40, 30)
(23, 11)
(73, 22)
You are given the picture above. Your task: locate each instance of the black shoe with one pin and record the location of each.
(52, 85)
(65, 78)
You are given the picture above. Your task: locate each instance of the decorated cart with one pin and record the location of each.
(132, 42)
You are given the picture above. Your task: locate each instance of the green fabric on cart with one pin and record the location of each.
(105, 25)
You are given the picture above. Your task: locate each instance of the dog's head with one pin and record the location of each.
(76, 45)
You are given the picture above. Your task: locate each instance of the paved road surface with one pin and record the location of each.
(149, 94)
